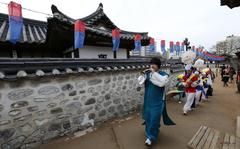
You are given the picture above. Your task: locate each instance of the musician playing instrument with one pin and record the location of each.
(191, 83)
(154, 104)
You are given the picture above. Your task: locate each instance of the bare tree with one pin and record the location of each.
(221, 47)
(228, 46)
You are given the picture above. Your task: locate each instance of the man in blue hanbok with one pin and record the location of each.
(154, 100)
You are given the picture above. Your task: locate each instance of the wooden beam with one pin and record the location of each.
(215, 140)
(237, 143)
(232, 142)
(204, 139)
(209, 139)
(199, 137)
(226, 141)
(238, 127)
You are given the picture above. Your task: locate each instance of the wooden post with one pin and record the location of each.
(76, 54)
(128, 53)
(14, 52)
(114, 54)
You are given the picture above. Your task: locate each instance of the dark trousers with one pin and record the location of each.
(225, 84)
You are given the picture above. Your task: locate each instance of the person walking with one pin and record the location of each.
(190, 80)
(154, 100)
(225, 77)
(232, 72)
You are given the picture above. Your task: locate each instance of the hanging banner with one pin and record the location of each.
(193, 49)
(151, 45)
(182, 46)
(171, 46)
(197, 51)
(201, 52)
(79, 34)
(204, 55)
(15, 21)
(137, 41)
(115, 39)
(208, 56)
(163, 49)
(177, 48)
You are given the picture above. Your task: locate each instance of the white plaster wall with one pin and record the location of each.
(89, 52)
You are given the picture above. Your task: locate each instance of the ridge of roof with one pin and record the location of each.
(4, 17)
(90, 18)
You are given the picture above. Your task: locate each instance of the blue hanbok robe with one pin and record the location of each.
(154, 107)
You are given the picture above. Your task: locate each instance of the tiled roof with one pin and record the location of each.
(25, 68)
(93, 18)
(12, 69)
(33, 31)
(230, 3)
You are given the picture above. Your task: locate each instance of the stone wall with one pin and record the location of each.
(35, 111)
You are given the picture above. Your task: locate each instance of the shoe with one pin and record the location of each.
(191, 109)
(179, 102)
(148, 142)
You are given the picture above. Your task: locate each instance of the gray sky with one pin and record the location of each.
(203, 21)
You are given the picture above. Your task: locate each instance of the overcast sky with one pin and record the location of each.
(204, 22)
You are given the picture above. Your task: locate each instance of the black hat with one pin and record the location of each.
(156, 61)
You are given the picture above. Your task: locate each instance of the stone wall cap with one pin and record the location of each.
(11, 68)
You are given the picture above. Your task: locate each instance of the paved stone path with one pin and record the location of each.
(219, 113)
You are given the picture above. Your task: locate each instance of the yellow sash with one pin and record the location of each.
(190, 78)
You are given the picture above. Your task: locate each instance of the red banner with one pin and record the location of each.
(152, 41)
(14, 9)
(79, 26)
(162, 42)
(116, 33)
(137, 37)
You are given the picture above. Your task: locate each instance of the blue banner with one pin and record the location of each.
(79, 39)
(15, 28)
(79, 34)
(171, 46)
(177, 48)
(151, 48)
(137, 45)
(116, 43)
(163, 49)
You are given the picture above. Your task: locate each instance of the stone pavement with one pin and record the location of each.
(219, 113)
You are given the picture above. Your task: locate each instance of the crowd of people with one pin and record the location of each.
(227, 74)
(196, 85)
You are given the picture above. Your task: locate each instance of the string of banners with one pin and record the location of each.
(206, 55)
(16, 25)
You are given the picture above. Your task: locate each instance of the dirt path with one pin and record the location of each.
(220, 113)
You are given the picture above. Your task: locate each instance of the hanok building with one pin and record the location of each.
(230, 3)
(55, 38)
